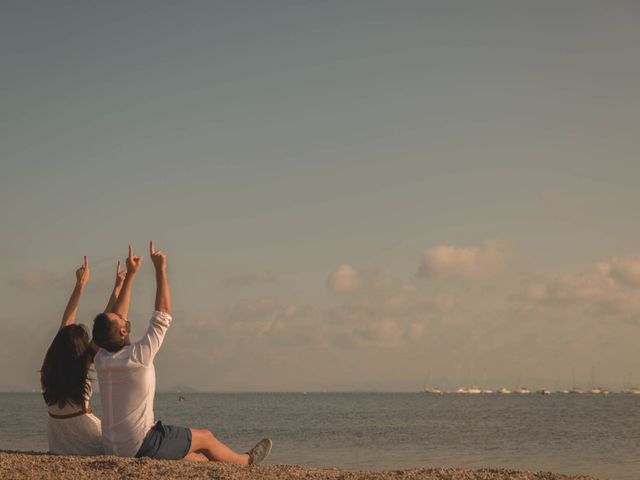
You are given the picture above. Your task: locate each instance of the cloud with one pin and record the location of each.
(36, 279)
(248, 280)
(344, 280)
(625, 270)
(384, 332)
(348, 279)
(606, 281)
(593, 285)
(462, 262)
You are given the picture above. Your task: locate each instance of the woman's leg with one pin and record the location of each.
(204, 442)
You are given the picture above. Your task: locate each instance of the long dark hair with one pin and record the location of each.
(65, 368)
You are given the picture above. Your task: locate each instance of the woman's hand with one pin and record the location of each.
(82, 277)
(82, 274)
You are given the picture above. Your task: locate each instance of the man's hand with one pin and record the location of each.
(120, 275)
(82, 274)
(159, 258)
(163, 296)
(117, 288)
(121, 306)
(133, 262)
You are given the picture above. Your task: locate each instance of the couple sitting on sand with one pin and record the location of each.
(127, 382)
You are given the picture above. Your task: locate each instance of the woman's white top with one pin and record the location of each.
(81, 435)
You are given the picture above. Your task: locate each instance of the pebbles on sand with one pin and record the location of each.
(32, 465)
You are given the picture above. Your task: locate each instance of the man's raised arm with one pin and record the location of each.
(120, 275)
(163, 296)
(122, 304)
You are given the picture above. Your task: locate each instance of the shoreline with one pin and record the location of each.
(40, 465)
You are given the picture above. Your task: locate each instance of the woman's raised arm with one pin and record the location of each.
(82, 277)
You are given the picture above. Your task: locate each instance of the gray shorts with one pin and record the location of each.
(165, 442)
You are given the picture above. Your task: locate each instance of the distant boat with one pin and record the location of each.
(487, 391)
(563, 392)
(576, 391)
(462, 390)
(594, 390)
(432, 391)
(474, 390)
(523, 390)
(504, 391)
(544, 391)
(633, 391)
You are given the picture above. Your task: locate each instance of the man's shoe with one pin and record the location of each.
(261, 451)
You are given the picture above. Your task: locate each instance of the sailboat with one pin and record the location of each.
(594, 390)
(575, 390)
(431, 390)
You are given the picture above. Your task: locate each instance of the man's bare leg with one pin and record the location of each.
(195, 457)
(204, 442)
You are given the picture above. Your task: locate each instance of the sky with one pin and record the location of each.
(359, 195)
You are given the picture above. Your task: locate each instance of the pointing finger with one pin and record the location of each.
(151, 247)
(118, 267)
(86, 262)
(130, 251)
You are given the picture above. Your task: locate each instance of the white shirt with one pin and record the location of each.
(127, 386)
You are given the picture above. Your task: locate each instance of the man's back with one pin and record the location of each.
(127, 386)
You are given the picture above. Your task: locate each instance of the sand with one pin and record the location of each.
(32, 465)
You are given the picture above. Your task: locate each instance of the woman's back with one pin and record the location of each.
(74, 430)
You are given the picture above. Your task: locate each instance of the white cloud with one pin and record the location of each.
(462, 262)
(625, 269)
(348, 279)
(345, 279)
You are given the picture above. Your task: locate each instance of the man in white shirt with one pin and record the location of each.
(128, 382)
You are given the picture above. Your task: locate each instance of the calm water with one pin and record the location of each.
(563, 433)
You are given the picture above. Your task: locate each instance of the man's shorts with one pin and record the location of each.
(165, 442)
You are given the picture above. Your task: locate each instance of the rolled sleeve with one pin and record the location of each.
(145, 349)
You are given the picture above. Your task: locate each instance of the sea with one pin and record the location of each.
(573, 434)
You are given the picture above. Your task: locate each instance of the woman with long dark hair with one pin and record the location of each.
(73, 429)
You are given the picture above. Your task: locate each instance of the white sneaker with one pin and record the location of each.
(261, 451)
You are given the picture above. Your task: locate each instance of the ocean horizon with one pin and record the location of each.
(572, 434)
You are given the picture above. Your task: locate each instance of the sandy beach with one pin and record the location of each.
(35, 465)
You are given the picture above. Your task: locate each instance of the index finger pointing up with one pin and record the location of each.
(86, 262)
(130, 251)
(151, 247)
